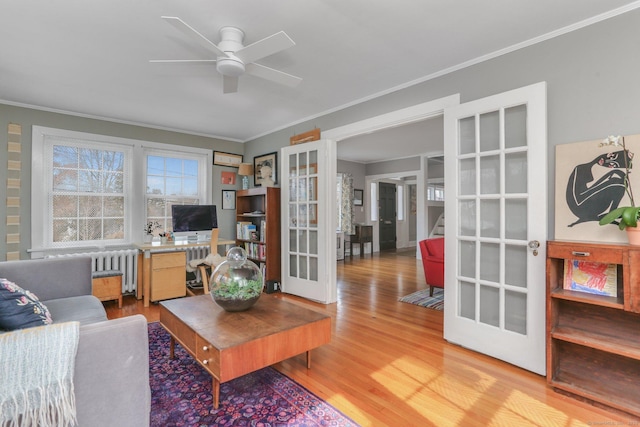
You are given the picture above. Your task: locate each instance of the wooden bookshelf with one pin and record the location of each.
(260, 206)
(593, 350)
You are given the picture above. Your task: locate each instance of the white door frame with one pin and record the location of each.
(396, 118)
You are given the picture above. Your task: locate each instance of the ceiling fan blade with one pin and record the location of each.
(265, 47)
(195, 35)
(229, 84)
(272, 75)
(181, 60)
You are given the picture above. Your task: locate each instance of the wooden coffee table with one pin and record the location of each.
(229, 345)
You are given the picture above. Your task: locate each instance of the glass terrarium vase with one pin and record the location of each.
(236, 284)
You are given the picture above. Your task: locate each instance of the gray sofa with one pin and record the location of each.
(111, 377)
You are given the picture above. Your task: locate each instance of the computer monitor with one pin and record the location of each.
(193, 222)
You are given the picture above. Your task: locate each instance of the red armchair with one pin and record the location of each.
(432, 251)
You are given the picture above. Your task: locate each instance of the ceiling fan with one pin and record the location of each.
(233, 58)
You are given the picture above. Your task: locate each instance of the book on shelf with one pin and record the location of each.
(240, 229)
(255, 250)
(263, 230)
(591, 277)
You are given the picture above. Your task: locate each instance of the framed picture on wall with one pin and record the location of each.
(228, 178)
(358, 197)
(227, 159)
(228, 199)
(265, 168)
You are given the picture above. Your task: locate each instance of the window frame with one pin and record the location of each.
(135, 191)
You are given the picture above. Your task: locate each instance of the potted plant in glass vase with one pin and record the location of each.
(625, 217)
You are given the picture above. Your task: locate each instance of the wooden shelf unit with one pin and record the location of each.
(593, 341)
(261, 205)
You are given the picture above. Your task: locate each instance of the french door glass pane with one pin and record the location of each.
(490, 305)
(467, 307)
(490, 175)
(293, 241)
(313, 242)
(468, 254)
(303, 241)
(293, 265)
(515, 216)
(490, 262)
(303, 267)
(313, 268)
(490, 131)
(515, 309)
(515, 126)
(515, 265)
(515, 172)
(467, 217)
(467, 177)
(467, 143)
(490, 218)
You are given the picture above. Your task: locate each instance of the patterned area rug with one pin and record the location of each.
(422, 298)
(181, 395)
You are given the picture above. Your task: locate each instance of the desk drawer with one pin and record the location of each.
(168, 276)
(168, 260)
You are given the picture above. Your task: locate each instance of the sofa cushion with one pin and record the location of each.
(20, 308)
(85, 309)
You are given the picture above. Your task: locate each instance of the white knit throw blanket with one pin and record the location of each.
(36, 376)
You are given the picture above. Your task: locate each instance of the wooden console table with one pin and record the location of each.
(229, 345)
(364, 234)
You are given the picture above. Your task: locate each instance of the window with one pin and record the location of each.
(400, 202)
(170, 181)
(94, 196)
(87, 196)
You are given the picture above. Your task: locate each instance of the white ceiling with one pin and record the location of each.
(92, 57)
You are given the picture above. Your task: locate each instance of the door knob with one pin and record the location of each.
(534, 244)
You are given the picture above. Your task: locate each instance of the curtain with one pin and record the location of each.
(346, 203)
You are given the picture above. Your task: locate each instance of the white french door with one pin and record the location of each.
(496, 222)
(308, 217)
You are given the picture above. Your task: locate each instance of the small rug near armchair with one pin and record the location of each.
(181, 394)
(422, 298)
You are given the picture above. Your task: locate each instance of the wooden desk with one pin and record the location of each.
(170, 261)
(230, 345)
(364, 234)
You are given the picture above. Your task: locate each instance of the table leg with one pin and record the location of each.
(215, 386)
(308, 359)
(172, 347)
(146, 277)
(140, 276)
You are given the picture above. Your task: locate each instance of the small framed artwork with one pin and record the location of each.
(227, 159)
(228, 199)
(228, 178)
(265, 168)
(358, 196)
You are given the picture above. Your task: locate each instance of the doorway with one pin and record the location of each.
(387, 215)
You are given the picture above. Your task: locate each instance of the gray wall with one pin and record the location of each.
(592, 82)
(28, 117)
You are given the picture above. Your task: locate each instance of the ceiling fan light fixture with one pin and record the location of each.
(230, 66)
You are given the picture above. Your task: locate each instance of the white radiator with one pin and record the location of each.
(125, 260)
(196, 252)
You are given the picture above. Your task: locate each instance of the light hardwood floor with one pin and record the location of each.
(388, 365)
